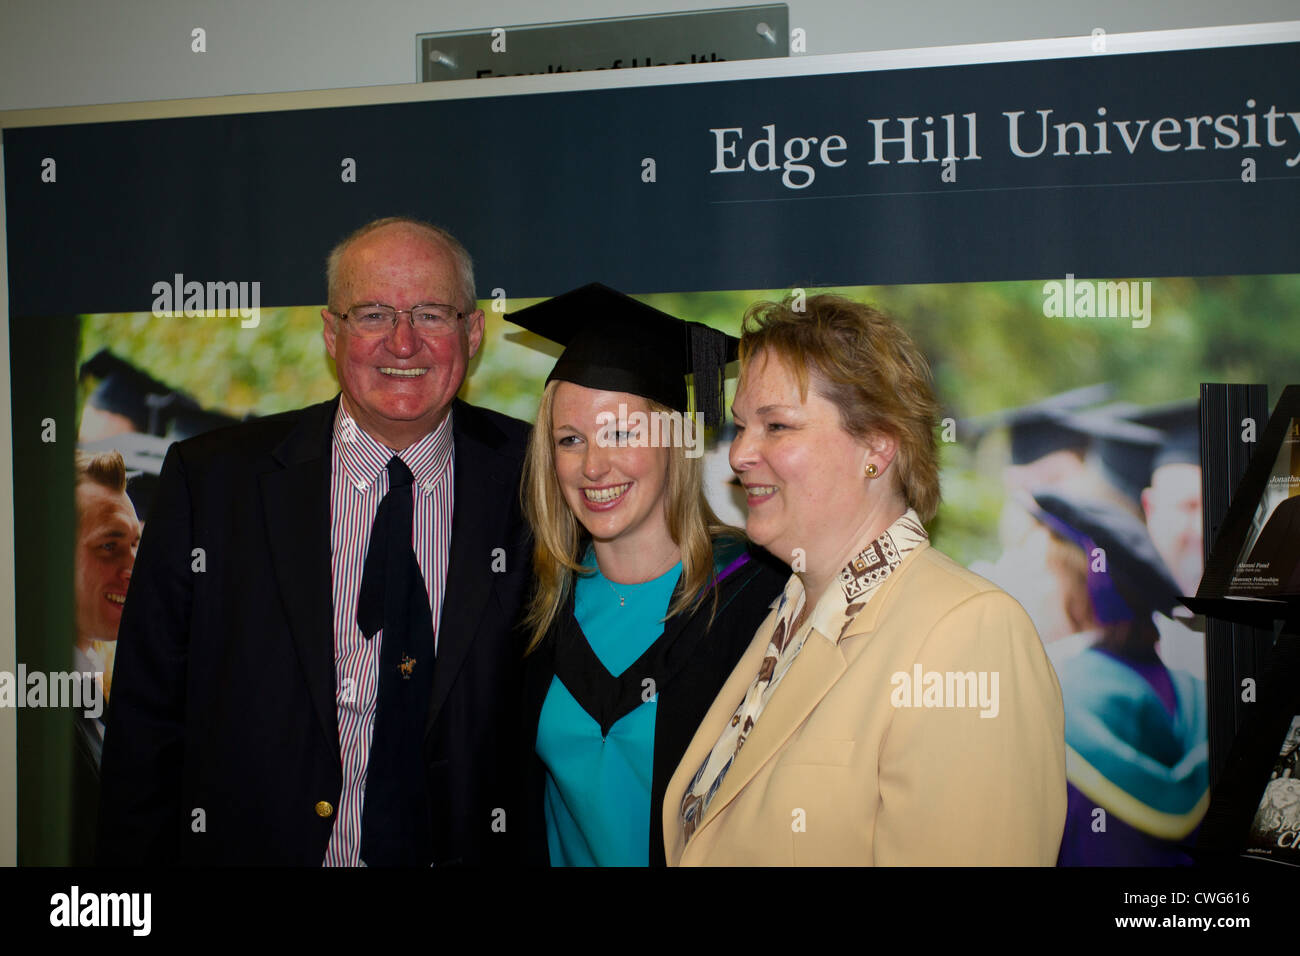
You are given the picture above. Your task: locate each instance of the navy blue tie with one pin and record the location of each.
(395, 821)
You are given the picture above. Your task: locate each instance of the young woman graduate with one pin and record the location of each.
(644, 599)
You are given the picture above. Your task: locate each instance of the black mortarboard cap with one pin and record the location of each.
(1045, 426)
(1122, 449)
(614, 343)
(1131, 558)
(1038, 433)
(1179, 424)
(153, 407)
(125, 390)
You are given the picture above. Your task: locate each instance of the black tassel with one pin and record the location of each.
(708, 367)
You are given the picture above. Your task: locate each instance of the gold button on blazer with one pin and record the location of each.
(878, 749)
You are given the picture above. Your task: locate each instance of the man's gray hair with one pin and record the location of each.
(460, 256)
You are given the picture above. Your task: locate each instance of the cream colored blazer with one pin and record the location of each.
(856, 762)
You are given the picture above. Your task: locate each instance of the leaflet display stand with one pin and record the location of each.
(1252, 578)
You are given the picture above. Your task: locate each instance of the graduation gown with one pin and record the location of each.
(1125, 752)
(689, 662)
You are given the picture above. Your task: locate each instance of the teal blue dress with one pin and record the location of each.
(597, 798)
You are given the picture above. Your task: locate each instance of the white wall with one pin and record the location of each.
(83, 52)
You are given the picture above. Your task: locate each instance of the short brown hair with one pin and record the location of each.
(106, 468)
(863, 362)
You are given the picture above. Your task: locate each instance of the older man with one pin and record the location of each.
(318, 660)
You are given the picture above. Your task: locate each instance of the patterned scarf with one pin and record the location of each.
(858, 581)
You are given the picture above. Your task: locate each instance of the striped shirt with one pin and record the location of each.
(358, 482)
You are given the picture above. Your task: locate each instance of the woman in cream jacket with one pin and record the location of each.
(894, 708)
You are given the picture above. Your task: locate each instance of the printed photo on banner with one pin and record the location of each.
(1070, 476)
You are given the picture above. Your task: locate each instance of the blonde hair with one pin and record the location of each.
(560, 540)
(863, 362)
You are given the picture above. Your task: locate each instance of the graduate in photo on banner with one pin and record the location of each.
(1137, 755)
(1050, 439)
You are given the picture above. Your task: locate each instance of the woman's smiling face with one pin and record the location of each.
(615, 487)
(802, 472)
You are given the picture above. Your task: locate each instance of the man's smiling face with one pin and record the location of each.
(399, 386)
(108, 534)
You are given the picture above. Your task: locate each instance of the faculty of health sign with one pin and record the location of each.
(702, 36)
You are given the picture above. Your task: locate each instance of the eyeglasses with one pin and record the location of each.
(433, 319)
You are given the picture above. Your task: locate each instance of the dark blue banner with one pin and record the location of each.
(1172, 163)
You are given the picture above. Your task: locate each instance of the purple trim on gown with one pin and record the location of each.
(1121, 844)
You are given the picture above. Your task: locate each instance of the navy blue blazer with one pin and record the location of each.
(222, 741)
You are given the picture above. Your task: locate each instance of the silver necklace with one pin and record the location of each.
(622, 600)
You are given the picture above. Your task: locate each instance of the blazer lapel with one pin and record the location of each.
(819, 665)
(296, 503)
(813, 673)
(731, 694)
(480, 507)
